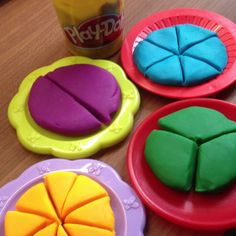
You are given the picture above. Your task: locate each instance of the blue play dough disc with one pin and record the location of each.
(181, 55)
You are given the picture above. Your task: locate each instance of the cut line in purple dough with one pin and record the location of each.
(52, 109)
(74, 100)
(93, 87)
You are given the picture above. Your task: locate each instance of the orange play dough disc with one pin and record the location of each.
(64, 204)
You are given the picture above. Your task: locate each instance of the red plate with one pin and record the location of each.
(225, 29)
(193, 210)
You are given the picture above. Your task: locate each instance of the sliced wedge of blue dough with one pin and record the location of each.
(189, 35)
(206, 53)
(167, 72)
(205, 123)
(195, 71)
(216, 163)
(165, 38)
(158, 54)
(172, 158)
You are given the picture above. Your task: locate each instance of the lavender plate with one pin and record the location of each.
(128, 209)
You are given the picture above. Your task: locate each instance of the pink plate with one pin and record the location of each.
(225, 29)
(193, 210)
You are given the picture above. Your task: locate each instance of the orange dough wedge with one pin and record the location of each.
(50, 230)
(61, 231)
(97, 213)
(58, 185)
(23, 224)
(36, 201)
(83, 191)
(84, 230)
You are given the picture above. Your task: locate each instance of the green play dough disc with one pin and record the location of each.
(196, 147)
(171, 153)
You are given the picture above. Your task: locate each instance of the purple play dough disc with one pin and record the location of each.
(74, 100)
(55, 110)
(128, 209)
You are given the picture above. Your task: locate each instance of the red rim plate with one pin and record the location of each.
(225, 29)
(192, 210)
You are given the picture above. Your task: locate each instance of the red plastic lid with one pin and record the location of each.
(191, 209)
(225, 29)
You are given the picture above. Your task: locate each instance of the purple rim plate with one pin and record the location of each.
(128, 209)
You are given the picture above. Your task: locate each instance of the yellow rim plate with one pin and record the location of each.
(39, 140)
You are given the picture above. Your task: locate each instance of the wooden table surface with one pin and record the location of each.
(30, 37)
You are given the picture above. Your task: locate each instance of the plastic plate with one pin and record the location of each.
(193, 210)
(40, 140)
(225, 29)
(128, 210)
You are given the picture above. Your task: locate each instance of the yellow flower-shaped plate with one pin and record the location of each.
(40, 140)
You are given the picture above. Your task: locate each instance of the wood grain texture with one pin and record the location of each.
(31, 38)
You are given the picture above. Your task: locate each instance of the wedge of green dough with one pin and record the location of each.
(172, 158)
(197, 123)
(216, 163)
